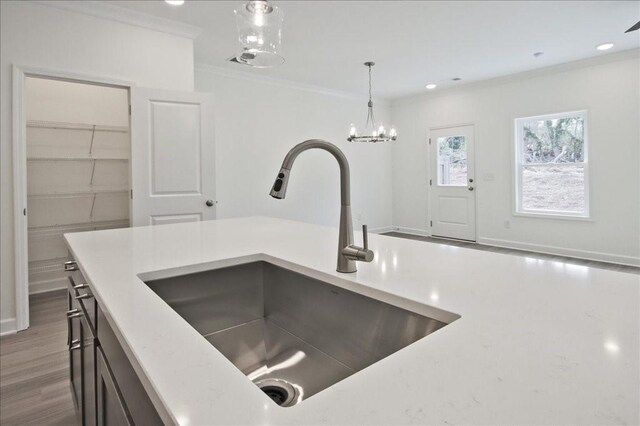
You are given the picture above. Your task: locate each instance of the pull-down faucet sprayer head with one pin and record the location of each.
(279, 189)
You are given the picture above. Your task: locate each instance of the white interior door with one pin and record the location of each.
(452, 183)
(172, 157)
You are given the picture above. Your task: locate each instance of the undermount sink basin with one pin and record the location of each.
(290, 334)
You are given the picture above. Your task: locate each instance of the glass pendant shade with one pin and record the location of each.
(373, 131)
(259, 34)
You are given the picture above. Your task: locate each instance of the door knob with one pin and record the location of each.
(470, 188)
(209, 203)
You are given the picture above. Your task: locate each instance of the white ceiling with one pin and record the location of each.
(412, 42)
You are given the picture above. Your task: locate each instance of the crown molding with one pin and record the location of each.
(553, 69)
(248, 76)
(123, 15)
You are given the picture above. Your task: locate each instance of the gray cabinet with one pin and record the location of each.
(133, 393)
(105, 387)
(111, 407)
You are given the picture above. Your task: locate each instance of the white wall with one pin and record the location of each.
(44, 37)
(257, 122)
(69, 102)
(608, 89)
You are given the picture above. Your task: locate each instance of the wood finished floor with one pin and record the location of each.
(475, 246)
(34, 367)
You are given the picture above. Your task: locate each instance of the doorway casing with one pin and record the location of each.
(19, 146)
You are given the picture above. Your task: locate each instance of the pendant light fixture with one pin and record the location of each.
(259, 34)
(372, 132)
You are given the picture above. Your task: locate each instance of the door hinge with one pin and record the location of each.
(430, 223)
(24, 212)
(132, 194)
(429, 141)
(129, 109)
(430, 182)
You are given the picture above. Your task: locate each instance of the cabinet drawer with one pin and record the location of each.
(127, 382)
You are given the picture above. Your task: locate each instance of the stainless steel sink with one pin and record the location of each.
(290, 334)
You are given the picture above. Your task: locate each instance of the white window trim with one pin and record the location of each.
(550, 214)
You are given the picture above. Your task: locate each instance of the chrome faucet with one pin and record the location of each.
(348, 253)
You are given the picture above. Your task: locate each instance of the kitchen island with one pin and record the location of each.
(527, 341)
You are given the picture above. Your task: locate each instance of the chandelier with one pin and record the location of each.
(372, 132)
(259, 34)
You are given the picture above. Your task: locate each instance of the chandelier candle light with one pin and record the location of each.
(259, 34)
(373, 132)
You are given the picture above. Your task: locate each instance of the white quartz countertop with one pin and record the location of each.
(538, 342)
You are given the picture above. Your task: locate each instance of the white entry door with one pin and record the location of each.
(452, 183)
(172, 157)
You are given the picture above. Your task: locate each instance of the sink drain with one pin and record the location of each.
(277, 394)
(280, 392)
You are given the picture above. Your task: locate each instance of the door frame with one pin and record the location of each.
(19, 146)
(429, 190)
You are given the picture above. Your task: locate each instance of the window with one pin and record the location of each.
(551, 165)
(452, 161)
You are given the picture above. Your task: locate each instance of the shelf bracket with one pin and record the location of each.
(93, 171)
(93, 133)
(93, 204)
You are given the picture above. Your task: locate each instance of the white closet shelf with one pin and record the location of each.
(78, 227)
(63, 194)
(76, 126)
(77, 159)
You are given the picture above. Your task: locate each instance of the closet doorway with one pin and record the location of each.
(92, 153)
(78, 170)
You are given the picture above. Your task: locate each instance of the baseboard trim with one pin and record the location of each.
(47, 286)
(412, 231)
(382, 229)
(8, 326)
(561, 251)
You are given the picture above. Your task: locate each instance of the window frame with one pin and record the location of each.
(519, 167)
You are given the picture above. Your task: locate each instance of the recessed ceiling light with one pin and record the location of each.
(456, 79)
(604, 46)
(174, 2)
(430, 86)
